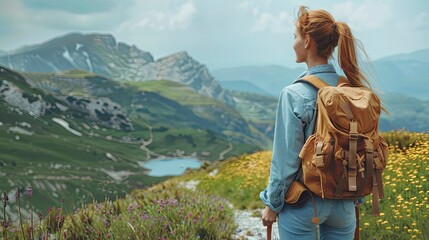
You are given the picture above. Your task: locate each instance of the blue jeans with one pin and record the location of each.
(337, 220)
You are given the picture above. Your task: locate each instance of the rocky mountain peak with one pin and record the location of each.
(181, 67)
(103, 55)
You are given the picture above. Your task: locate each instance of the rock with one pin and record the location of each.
(100, 109)
(12, 94)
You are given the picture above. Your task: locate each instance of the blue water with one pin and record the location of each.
(170, 166)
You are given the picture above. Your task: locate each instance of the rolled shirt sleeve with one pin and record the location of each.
(287, 143)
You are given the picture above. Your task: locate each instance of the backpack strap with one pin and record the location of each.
(314, 81)
(343, 81)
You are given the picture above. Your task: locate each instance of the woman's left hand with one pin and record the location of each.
(268, 216)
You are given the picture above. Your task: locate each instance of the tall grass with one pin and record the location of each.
(163, 212)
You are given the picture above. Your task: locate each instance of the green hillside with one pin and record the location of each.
(163, 103)
(102, 161)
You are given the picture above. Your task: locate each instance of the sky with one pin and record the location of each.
(217, 33)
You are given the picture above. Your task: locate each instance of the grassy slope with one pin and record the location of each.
(404, 210)
(206, 108)
(54, 156)
(59, 164)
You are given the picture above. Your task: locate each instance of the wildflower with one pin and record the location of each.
(17, 194)
(29, 192)
(60, 225)
(5, 224)
(5, 199)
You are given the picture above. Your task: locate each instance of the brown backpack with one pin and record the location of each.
(345, 156)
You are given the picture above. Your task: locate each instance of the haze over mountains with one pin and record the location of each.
(403, 73)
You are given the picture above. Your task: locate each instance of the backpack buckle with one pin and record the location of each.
(318, 161)
(353, 136)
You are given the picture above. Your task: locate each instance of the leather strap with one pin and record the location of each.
(352, 175)
(378, 170)
(375, 197)
(318, 158)
(369, 166)
(314, 81)
(378, 191)
(343, 182)
(343, 81)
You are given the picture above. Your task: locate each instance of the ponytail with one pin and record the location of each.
(347, 56)
(328, 34)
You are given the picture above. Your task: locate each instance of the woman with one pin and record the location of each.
(316, 35)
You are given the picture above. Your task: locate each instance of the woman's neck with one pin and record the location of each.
(317, 61)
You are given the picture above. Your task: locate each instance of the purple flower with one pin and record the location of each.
(17, 194)
(29, 192)
(5, 224)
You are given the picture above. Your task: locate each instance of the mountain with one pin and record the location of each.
(402, 73)
(156, 102)
(272, 78)
(405, 112)
(243, 86)
(103, 55)
(258, 110)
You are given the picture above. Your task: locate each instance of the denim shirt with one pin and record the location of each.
(295, 121)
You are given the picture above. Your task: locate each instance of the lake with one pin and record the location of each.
(170, 166)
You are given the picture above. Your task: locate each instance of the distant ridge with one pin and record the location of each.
(103, 55)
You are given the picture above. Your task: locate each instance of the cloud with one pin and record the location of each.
(23, 18)
(265, 20)
(421, 21)
(75, 6)
(280, 23)
(162, 19)
(369, 15)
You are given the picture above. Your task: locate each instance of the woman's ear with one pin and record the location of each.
(307, 41)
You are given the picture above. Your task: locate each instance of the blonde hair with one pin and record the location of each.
(328, 34)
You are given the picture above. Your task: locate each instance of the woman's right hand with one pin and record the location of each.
(268, 216)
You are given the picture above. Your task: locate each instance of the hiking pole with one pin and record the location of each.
(269, 229)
